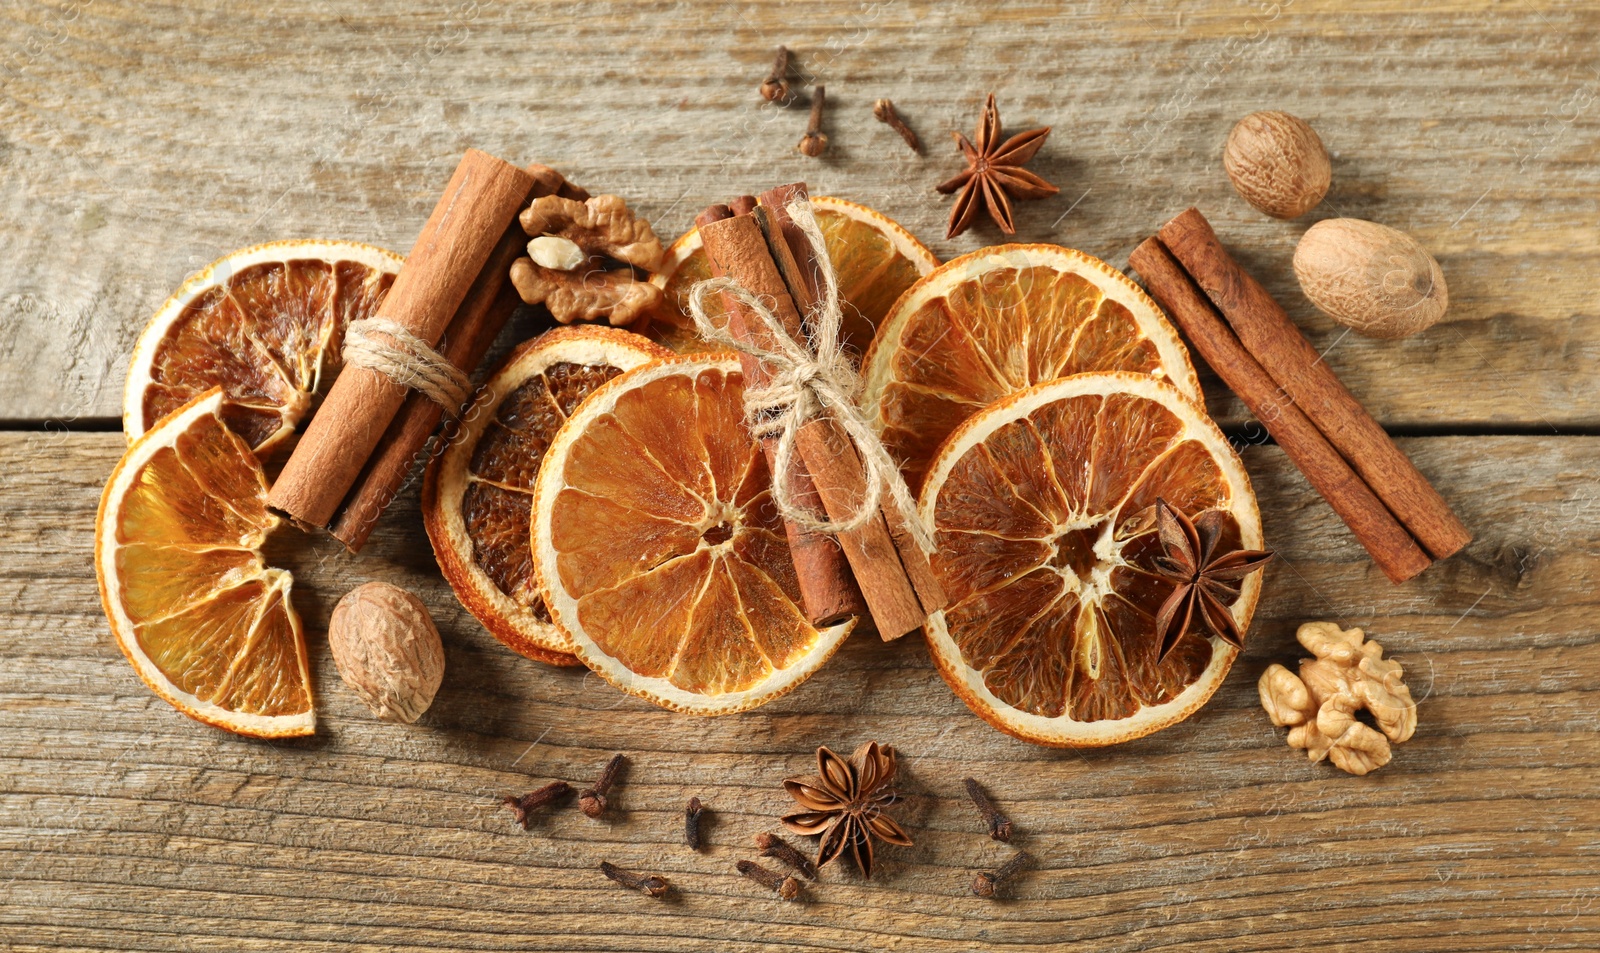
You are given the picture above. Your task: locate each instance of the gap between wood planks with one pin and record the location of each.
(1250, 434)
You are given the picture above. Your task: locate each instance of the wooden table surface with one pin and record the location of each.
(139, 141)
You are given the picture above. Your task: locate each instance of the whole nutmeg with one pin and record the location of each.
(388, 650)
(1277, 163)
(1374, 279)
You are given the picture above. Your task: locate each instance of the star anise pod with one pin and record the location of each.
(844, 802)
(994, 174)
(1207, 582)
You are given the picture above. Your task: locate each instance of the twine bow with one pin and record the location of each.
(388, 348)
(805, 382)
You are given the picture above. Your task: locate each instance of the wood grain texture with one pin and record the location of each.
(123, 825)
(139, 141)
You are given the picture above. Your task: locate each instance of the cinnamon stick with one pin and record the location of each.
(1276, 343)
(776, 201)
(481, 316)
(888, 589)
(736, 247)
(472, 331)
(1391, 547)
(796, 260)
(828, 591)
(483, 196)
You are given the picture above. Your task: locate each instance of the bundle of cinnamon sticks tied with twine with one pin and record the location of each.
(1248, 339)
(850, 519)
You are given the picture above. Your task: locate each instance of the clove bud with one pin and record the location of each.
(523, 807)
(814, 143)
(883, 111)
(785, 886)
(771, 845)
(775, 88)
(987, 884)
(691, 823)
(648, 884)
(999, 824)
(593, 800)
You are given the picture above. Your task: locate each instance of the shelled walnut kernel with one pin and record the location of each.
(583, 257)
(1319, 705)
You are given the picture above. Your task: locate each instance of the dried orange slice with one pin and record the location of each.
(266, 324)
(1043, 508)
(658, 549)
(477, 495)
(1001, 319)
(875, 260)
(207, 625)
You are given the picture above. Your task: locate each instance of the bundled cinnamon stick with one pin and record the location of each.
(891, 569)
(472, 331)
(468, 224)
(1250, 342)
(828, 591)
(796, 260)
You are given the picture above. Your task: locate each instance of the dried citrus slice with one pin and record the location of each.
(658, 549)
(1001, 319)
(266, 324)
(1043, 511)
(875, 260)
(477, 495)
(207, 625)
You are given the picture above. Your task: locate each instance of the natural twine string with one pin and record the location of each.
(804, 382)
(388, 348)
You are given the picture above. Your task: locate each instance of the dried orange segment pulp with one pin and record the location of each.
(1043, 509)
(659, 551)
(265, 324)
(477, 496)
(207, 625)
(996, 321)
(874, 258)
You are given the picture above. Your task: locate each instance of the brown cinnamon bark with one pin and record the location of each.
(776, 202)
(736, 247)
(797, 263)
(836, 468)
(470, 219)
(1391, 547)
(828, 591)
(488, 306)
(473, 329)
(1276, 343)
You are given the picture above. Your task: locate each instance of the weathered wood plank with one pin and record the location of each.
(140, 141)
(125, 826)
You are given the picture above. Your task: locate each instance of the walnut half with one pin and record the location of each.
(582, 257)
(1348, 674)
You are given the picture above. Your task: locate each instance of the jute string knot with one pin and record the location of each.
(388, 348)
(805, 380)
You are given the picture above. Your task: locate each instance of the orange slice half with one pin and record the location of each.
(477, 496)
(207, 625)
(658, 549)
(266, 324)
(1043, 509)
(874, 258)
(1001, 319)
